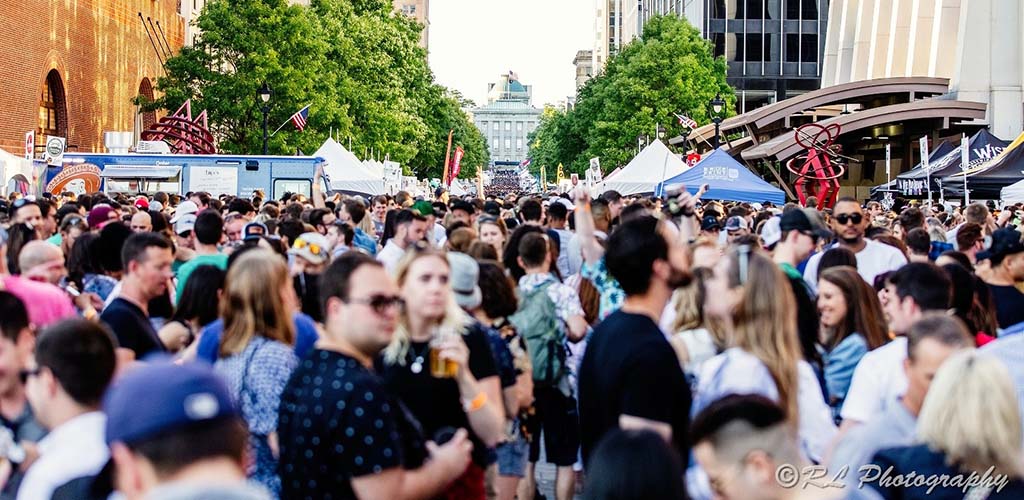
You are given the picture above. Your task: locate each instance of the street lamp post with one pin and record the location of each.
(716, 107)
(265, 93)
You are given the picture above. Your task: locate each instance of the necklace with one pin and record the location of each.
(417, 362)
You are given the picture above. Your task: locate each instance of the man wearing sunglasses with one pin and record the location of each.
(353, 449)
(849, 222)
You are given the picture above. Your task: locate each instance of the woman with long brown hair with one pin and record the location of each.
(456, 385)
(758, 315)
(853, 324)
(256, 350)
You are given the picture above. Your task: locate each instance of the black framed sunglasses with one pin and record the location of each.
(380, 303)
(23, 375)
(847, 218)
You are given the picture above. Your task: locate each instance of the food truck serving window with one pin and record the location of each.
(294, 186)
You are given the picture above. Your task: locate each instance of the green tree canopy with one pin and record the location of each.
(357, 64)
(669, 69)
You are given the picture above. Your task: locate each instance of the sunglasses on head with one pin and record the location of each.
(847, 218)
(380, 303)
(313, 247)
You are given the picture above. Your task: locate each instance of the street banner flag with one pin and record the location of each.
(525, 163)
(456, 163)
(543, 178)
(686, 121)
(559, 175)
(299, 119)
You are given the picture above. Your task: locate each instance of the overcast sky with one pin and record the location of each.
(473, 42)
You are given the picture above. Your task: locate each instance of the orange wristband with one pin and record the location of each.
(477, 403)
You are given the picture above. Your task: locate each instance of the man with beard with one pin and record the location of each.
(630, 376)
(147, 262)
(873, 258)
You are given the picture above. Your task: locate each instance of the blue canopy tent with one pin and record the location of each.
(728, 180)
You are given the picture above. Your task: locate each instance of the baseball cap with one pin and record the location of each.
(156, 206)
(185, 223)
(710, 223)
(463, 205)
(99, 215)
(423, 208)
(162, 396)
(312, 247)
(184, 208)
(817, 222)
(253, 231)
(771, 232)
(464, 275)
(735, 223)
(492, 208)
(142, 204)
(1005, 241)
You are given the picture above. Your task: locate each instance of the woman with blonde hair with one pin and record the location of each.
(758, 315)
(456, 385)
(696, 338)
(969, 425)
(492, 231)
(256, 350)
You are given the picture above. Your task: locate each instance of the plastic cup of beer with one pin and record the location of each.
(441, 367)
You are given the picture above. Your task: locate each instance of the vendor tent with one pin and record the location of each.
(1014, 193)
(728, 180)
(16, 173)
(985, 181)
(645, 171)
(913, 181)
(346, 173)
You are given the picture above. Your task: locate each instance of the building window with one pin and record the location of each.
(52, 107)
(409, 9)
(519, 144)
(519, 126)
(483, 126)
(802, 48)
(494, 144)
(508, 143)
(497, 126)
(508, 126)
(146, 93)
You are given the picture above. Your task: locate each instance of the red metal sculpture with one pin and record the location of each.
(820, 163)
(184, 134)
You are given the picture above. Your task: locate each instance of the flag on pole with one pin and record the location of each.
(456, 163)
(525, 163)
(299, 118)
(686, 121)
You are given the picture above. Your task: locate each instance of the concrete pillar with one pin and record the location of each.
(925, 35)
(847, 28)
(862, 41)
(879, 48)
(830, 58)
(990, 62)
(901, 43)
(949, 36)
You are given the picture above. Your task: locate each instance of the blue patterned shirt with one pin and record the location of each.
(612, 295)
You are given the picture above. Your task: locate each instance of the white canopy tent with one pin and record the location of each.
(16, 173)
(1014, 193)
(645, 171)
(346, 172)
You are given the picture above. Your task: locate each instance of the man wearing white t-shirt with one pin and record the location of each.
(880, 378)
(873, 258)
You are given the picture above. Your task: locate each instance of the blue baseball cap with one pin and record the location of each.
(163, 396)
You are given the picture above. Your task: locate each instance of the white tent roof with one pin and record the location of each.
(11, 166)
(1014, 193)
(346, 172)
(456, 188)
(643, 173)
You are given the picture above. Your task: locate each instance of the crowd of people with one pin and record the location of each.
(505, 182)
(201, 346)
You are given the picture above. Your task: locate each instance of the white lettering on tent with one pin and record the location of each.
(721, 174)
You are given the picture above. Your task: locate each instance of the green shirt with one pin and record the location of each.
(56, 239)
(220, 260)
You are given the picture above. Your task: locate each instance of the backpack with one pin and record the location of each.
(538, 324)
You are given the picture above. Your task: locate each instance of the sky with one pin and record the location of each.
(473, 42)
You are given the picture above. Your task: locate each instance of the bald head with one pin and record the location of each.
(42, 261)
(142, 222)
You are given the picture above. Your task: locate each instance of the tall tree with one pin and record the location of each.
(356, 63)
(669, 69)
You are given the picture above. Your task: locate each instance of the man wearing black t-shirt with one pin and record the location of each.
(630, 377)
(147, 260)
(341, 432)
(1006, 255)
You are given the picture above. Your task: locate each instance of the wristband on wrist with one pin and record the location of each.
(477, 403)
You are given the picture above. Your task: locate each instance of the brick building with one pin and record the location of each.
(71, 69)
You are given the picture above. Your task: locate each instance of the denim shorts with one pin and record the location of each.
(512, 457)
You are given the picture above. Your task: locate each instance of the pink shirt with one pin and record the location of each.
(46, 303)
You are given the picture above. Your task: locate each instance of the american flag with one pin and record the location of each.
(525, 163)
(686, 121)
(299, 119)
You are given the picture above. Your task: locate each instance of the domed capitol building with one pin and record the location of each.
(507, 119)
